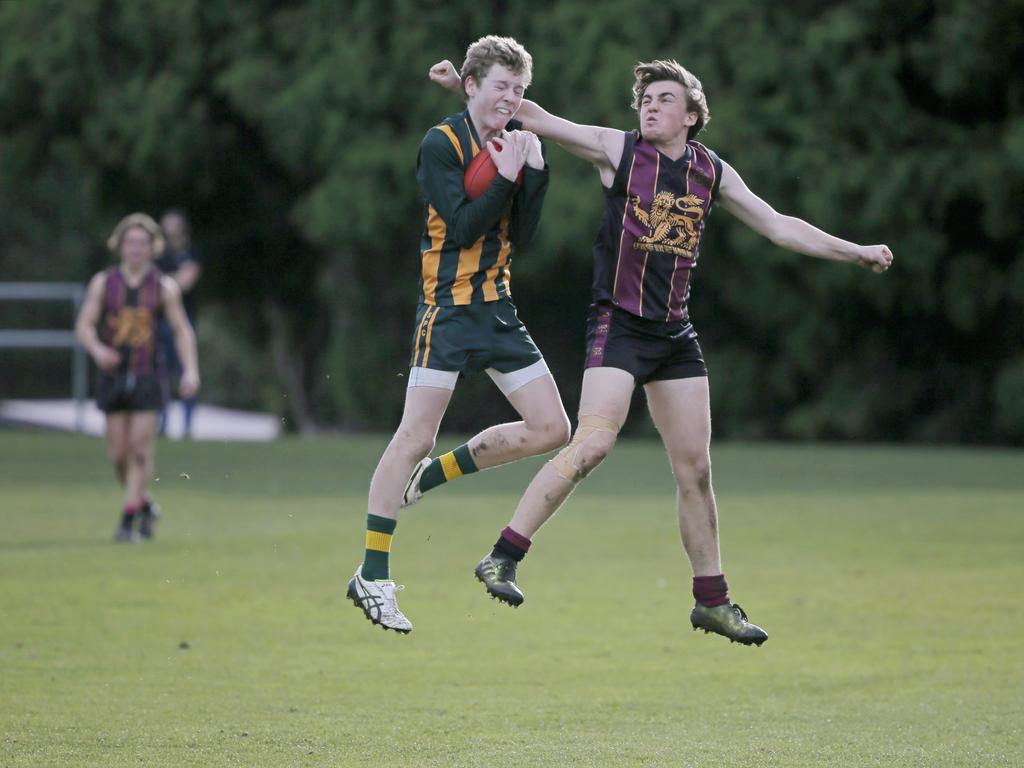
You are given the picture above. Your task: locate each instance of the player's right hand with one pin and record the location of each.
(189, 384)
(509, 158)
(106, 358)
(446, 75)
(877, 258)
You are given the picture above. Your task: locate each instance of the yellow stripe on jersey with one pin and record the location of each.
(437, 230)
(469, 265)
(447, 131)
(377, 541)
(491, 283)
(450, 466)
(433, 312)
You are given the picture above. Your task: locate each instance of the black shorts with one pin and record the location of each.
(651, 350)
(127, 392)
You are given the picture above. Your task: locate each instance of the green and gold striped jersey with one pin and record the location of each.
(467, 245)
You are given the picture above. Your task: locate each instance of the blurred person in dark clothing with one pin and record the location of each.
(180, 262)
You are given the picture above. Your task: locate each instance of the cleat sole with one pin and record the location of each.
(375, 622)
(495, 596)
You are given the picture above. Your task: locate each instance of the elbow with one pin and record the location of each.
(777, 232)
(464, 238)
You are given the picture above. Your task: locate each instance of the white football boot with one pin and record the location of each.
(412, 489)
(378, 602)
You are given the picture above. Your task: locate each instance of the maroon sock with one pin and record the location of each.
(711, 590)
(512, 544)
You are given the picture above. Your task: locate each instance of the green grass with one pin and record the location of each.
(889, 580)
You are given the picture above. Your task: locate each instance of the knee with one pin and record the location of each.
(693, 472)
(412, 444)
(117, 455)
(139, 454)
(594, 450)
(553, 433)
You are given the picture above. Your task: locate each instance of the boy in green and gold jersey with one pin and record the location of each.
(466, 321)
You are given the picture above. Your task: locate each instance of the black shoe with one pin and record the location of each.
(150, 514)
(727, 620)
(498, 574)
(125, 534)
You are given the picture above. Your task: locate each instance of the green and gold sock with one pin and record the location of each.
(448, 467)
(378, 546)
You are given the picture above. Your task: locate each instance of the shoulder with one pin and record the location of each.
(709, 164)
(702, 150)
(441, 141)
(445, 132)
(97, 286)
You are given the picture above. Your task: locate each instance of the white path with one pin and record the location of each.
(208, 422)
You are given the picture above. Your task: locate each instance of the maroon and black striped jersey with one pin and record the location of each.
(649, 241)
(129, 321)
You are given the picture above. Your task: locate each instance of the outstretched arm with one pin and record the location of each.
(600, 146)
(792, 233)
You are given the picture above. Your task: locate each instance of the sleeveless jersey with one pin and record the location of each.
(129, 322)
(649, 241)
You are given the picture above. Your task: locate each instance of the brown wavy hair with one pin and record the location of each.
(670, 69)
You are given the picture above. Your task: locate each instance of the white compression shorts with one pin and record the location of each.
(506, 382)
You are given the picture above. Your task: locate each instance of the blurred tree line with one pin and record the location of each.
(289, 132)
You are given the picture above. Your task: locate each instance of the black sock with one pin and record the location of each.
(511, 544)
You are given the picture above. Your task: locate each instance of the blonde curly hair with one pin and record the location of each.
(143, 221)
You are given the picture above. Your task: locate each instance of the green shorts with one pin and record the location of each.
(473, 337)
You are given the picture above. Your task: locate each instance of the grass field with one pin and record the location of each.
(889, 579)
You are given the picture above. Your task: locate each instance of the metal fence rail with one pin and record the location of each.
(51, 338)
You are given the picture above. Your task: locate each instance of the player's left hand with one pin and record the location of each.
(446, 75)
(529, 146)
(877, 258)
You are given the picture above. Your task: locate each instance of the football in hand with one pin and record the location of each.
(481, 173)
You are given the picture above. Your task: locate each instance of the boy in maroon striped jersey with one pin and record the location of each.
(127, 302)
(659, 186)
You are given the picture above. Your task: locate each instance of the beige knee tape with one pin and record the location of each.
(565, 462)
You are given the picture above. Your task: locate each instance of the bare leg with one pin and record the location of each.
(544, 427)
(414, 439)
(606, 392)
(141, 453)
(682, 413)
(117, 444)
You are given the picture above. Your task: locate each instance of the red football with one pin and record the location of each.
(481, 173)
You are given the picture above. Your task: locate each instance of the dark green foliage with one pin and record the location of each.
(290, 131)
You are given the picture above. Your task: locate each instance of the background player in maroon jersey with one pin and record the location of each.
(659, 186)
(126, 302)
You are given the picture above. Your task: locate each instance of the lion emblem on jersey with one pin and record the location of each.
(673, 223)
(132, 326)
